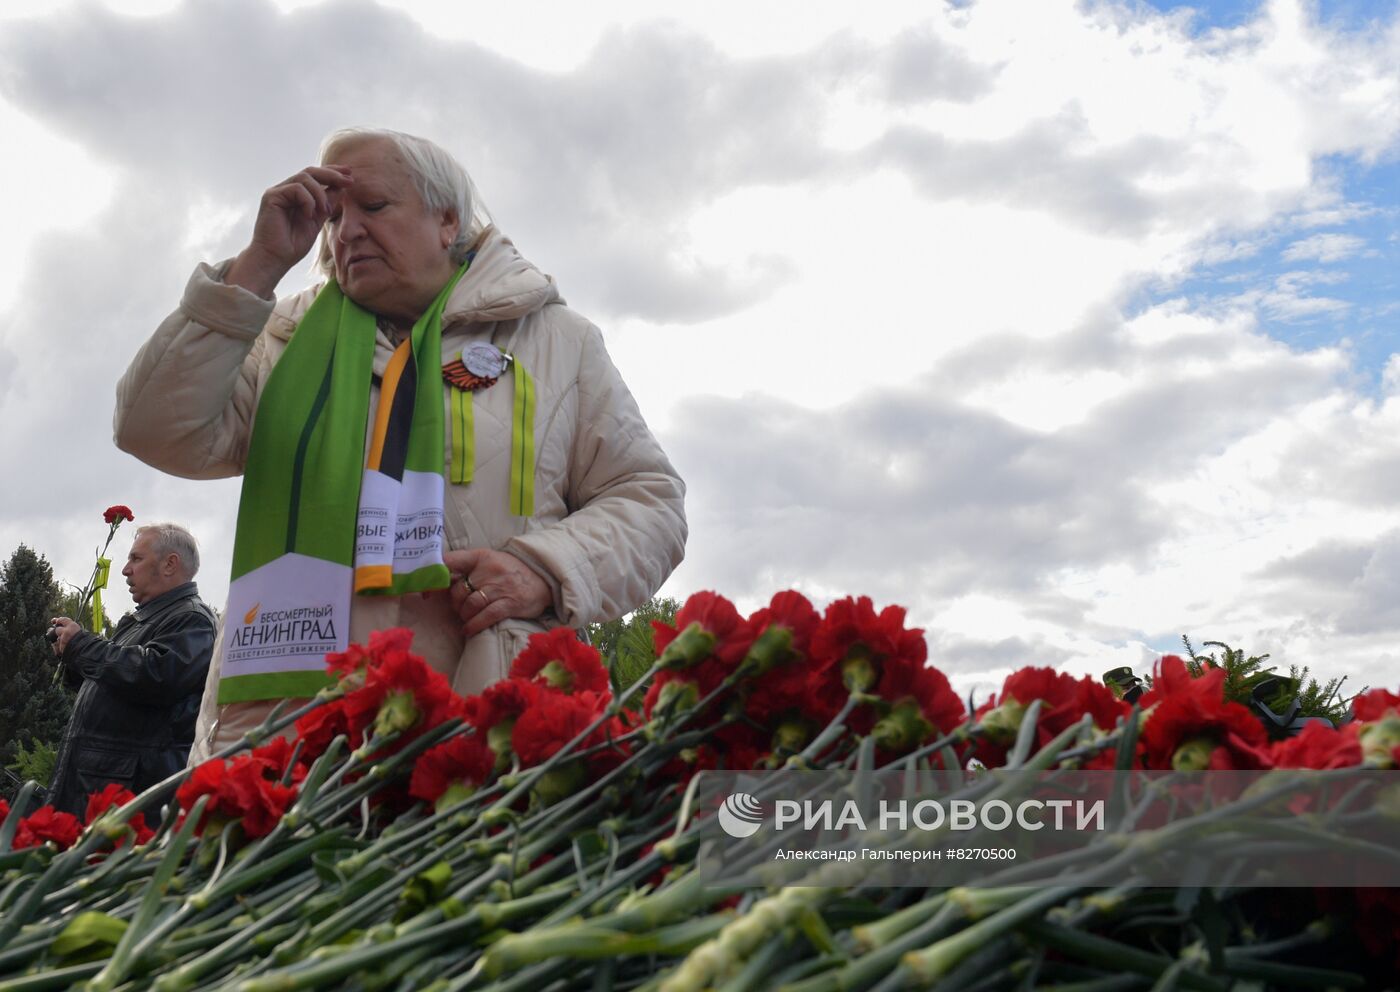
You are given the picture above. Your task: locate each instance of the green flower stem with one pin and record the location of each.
(829, 733)
(150, 944)
(1294, 976)
(252, 904)
(493, 915)
(188, 975)
(1106, 953)
(62, 867)
(118, 868)
(1313, 933)
(986, 967)
(595, 939)
(955, 736)
(395, 969)
(450, 821)
(762, 963)
(58, 979)
(21, 952)
(119, 964)
(529, 980)
(1312, 839)
(928, 965)
(868, 969)
(386, 893)
(317, 778)
(638, 872)
(647, 912)
(870, 936)
(348, 962)
(379, 770)
(722, 956)
(256, 872)
(1025, 736)
(1113, 983)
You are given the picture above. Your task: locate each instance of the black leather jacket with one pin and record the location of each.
(138, 696)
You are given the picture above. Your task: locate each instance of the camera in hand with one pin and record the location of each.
(51, 635)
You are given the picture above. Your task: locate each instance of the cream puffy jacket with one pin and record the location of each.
(609, 523)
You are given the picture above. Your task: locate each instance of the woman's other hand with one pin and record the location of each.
(290, 216)
(491, 586)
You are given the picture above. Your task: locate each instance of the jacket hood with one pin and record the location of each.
(500, 285)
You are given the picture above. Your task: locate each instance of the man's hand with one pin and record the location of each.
(491, 586)
(65, 629)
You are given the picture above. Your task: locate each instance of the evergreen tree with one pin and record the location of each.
(34, 708)
(626, 643)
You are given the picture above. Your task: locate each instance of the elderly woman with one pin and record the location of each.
(433, 416)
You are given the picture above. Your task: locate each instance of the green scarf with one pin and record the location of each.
(318, 514)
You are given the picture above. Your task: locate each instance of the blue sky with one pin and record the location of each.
(1347, 296)
(1335, 14)
(1325, 284)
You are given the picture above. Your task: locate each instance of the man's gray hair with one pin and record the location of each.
(442, 182)
(173, 539)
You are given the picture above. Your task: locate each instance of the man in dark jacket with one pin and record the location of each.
(138, 693)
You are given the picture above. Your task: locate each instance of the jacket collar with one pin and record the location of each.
(500, 285)
(165, 599)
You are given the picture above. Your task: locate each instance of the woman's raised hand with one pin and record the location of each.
(290, 216)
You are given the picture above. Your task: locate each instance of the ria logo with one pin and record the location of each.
(741, 815)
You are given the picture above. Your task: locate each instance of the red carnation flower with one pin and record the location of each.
(553, 720)
(504, 701)
(463, 761)
(276, 758)
(317, 728)
(1170, 676)
(782, 643)
(4, 809)
(242, 790)
(1192, 725)
(558, 659)
(114, 795)
(356, 660)
(395, 692)
(856, 649)
(113, 514)
(47, 824)
(1319, 746)
(1064, 700)
(704, 648)
(719, 632)
(494, 712)
(1373, 705)
(926, 708)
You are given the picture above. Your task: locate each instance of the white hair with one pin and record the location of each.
(442, 182)
(172, 539)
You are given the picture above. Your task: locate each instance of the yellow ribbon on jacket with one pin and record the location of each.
(99, 582)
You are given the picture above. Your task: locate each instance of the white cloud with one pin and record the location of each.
(872, 273)
(1324, 248)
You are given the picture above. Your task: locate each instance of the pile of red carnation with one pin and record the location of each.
(766, 689)
(47, 825)
(789, 672)
(1188, 724)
